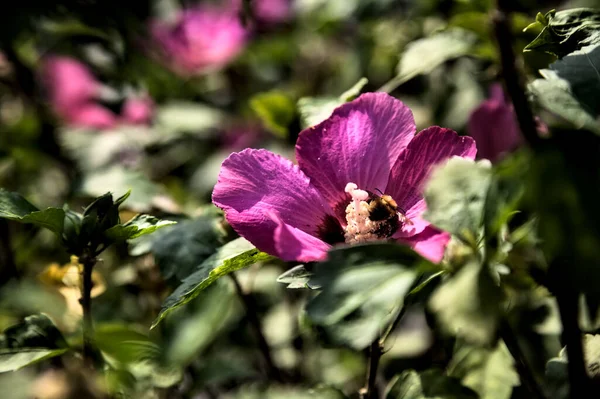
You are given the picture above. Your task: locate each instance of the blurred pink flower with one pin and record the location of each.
(137, 111)
(73, 93)
(369, 144)
(493, 125)
(201, 39)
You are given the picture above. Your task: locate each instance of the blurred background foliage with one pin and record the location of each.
(95, 98)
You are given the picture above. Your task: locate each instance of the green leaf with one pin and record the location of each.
(296, 277)
(192, 328)
(14, 207)
(468, 304)
(276, 111)
(15, 359)
(361, 287)
(314, 110)
(124, 344)
(139, 226)
(566, 31)
(424, 55)
(455, 196)
(31, 341)
(430, 384)
(233, 256)
(556, 96)
(35, 331)
(179, 249)
(178, 116)
(489, 372)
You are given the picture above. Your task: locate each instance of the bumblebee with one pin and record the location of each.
(383, 208)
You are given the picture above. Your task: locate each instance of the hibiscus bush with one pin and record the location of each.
(375, 199)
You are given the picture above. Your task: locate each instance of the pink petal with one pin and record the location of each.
(294, 244)
(408, 176)
(254, 185)
(494, 127)
(430, 243)
(358, 143)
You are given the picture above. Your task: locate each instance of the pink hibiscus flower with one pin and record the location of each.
(366, 146)
(202, 38)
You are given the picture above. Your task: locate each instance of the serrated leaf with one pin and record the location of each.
(424, 55)
(566, 31)
(275, 109)
(15, 359)
(14, 207)
(361, 287)
(296, 277)
(233, 256)
(430, 384)
(139, 226)
(468, 304)
(489, 372)
(455, 196)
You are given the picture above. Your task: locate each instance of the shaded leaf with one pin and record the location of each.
(361, 287)
(276, 111)
(489, 372)
(14, 207)
(430, 384)
(468, 304)
(179, 249)
(138, 226)
(125, 344)
(455, 196)
(233, 256)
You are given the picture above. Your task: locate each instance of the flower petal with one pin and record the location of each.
(358, 143)
(430, 243)
(294, 244)
(255, 184)
(429, 147)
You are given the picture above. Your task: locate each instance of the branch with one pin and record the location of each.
(369, 391)
(86, 304)
(248, 301)
(525, 373)
(511, 75)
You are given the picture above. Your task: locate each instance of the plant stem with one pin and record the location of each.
(88, 262)
(252, 316)
(568, 306)
(511, 75)
(369, 391)
(527, 377)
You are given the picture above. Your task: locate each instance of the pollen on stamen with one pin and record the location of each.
(360, 228)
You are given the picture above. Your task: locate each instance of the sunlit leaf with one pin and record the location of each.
(468, 304)
(489, 372)
(361, 287)
(296, 277)
(455, 196)
(566, 31)
(233, 256)
(15, 359)
(430, 384)
(275, 109)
